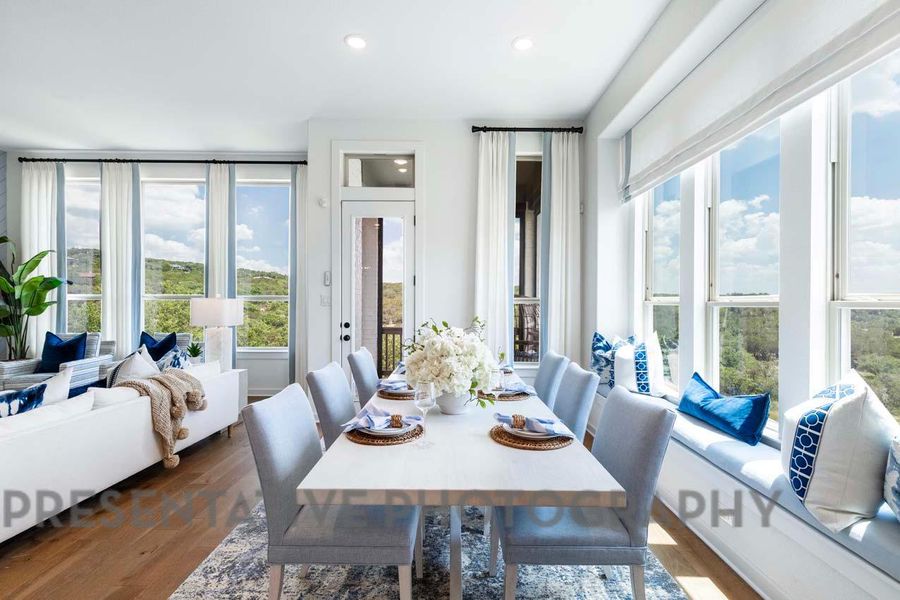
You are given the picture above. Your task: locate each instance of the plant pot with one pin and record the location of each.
(451, 404)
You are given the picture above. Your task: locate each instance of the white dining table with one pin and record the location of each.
(459, 465)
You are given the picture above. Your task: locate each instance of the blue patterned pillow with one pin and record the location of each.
(603, 357)
(892, 478)
(175, 359)
(16, 402)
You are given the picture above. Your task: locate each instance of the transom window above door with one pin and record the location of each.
(379, 170)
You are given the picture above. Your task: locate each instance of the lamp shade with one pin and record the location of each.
(217, 312)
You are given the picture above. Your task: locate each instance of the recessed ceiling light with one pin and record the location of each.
(522, 43)
(355, 41)
(400, 161)
(403, 170)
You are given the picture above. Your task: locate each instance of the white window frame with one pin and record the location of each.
(264, 298)
(715, 302)
(650, 300)
(144, 295)
(81, 297)
(842, 301)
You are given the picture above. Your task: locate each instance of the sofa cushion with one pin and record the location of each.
(741, 417)
(17, 402)
(104, 397)
(874, 540)
(834, 449)
(58, 386)
(135, 366)
(46, 415)
(57, 351)
(158, 347)
(204, 370)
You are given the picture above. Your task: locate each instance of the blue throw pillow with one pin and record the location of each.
(16, 402)
(742, 417)
(157, 349)
(58, 351)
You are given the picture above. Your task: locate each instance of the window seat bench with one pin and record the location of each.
(794, 556)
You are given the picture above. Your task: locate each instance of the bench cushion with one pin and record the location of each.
(875, 540)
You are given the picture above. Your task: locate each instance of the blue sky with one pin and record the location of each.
(392, 254)
(263, 227)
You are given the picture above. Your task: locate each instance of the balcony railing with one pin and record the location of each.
(527, 329)
(391, 350)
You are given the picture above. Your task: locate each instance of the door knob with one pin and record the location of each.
(346, 337)
(346, 324)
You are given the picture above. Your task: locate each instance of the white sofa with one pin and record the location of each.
(73, 450)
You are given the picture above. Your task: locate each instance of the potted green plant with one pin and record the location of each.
(194, 350)
(22, 297)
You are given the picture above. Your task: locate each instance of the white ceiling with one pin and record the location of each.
(236, 75)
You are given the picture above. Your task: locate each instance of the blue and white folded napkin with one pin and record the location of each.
(393, 385)
(372, 417)
(401, 368)
(519, 387)
(538, 425)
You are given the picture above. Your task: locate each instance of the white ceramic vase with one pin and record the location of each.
(451, 404)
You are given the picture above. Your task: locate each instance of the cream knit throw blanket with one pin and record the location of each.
(172, 393)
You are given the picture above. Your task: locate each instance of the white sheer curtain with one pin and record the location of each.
(116, 248)
(493, 295)
(217, 231)
(564, 303)
(39, 233)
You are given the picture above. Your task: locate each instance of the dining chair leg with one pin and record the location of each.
(510, 577)
(405, 581)
(276, 575)
(304, 571)
(420, 537)
(495, 551)
(637, 582)
(488, 523)
(455, 553)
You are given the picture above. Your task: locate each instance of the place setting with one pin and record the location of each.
(373, 426)
(530, 433)
(505, 386)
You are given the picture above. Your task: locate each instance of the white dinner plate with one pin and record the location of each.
(532, 435)
(390, 431)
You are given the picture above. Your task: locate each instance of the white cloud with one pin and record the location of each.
(392, 255)
(666, 251)
(876, 90)
(748, 249)
(158, 247)
(874, 245)
(250, 248)
(258, 265)
(243, 232)
(759, 200)
(175, 209)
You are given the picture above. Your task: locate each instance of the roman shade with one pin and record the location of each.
(786, 52)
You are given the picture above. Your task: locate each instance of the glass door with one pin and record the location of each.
(377, 266)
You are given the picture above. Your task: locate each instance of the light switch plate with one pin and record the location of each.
(325, 299)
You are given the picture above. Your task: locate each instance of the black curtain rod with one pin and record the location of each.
(162, 161)
(477, 128)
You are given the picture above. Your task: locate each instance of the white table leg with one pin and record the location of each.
(455, 553)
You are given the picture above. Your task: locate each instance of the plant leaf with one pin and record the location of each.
(29, 266)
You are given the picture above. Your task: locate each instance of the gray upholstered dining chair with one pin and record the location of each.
(365, 374)
(285, 446)
(549, 375)
(631, 441)
(333, 399)
(575, 398)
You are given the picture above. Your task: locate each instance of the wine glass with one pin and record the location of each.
(496, 383)
(424, 400)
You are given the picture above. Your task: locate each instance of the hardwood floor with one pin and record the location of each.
(148, 560)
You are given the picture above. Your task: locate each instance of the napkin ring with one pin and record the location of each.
(518, 422)
(396, 421)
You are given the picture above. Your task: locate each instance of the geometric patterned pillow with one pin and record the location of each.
(892, 478)
(639, 367)
(603, 357)
(834, 451)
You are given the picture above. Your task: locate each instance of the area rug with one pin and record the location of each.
(237, 569)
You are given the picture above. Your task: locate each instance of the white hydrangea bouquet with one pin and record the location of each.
(455, 360)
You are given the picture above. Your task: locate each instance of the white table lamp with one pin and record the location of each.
(218, 315)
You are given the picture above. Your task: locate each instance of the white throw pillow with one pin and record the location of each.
(834, 450)
(145, 354)
(205, 370)
(58, 386)
(639, 367)
(892, 478)
(136, 366)
(104, 397)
